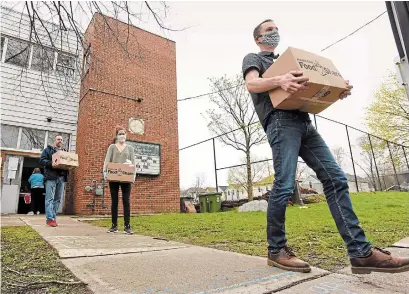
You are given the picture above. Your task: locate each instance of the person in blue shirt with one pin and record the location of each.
(36, 181)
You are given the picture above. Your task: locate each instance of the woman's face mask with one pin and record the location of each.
(121, 138)
(270, 38)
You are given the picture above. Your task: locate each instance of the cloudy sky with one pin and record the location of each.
(220, 35)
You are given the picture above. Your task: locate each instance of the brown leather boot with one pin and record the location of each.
(286, 260)
(379, 261)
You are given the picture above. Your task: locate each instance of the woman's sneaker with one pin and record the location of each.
(113, 229)
(127, 230)
(38, 213)
(30, 213)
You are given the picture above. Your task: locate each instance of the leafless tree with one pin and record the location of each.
(383, 165)
(239, 175)
(302, 171)
(339, 155)
(198, 184)
(234, 120)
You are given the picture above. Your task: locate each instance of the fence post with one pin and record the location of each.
(352, 158)
(315, 121)
(215, 165)
(404, 153)
(374, 160)
(393, 164)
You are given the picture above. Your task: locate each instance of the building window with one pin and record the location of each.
(65, 139)
(32, 139)
(310, 185)
(65, 65)
(87, 61)
(9, 136)
(18, 52)
(43, 59)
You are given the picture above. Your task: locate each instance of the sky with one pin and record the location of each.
(219, 34)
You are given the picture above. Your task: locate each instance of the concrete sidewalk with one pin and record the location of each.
(118, 263)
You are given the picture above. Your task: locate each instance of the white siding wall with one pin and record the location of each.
(28, 96)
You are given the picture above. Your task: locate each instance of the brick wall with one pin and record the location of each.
(148, 71)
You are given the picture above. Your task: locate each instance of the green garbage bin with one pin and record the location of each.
(211, 202)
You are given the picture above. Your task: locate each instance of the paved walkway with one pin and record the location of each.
(118, 263)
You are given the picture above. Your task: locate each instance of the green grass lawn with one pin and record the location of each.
(311, 232)
(30, 265)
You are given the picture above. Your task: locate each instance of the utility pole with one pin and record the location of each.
(398, 12)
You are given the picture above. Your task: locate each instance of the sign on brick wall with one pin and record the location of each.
(147, 158)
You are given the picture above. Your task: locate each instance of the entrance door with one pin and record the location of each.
(30, 163)
(13, 167)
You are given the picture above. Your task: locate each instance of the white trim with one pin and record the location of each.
(46, 139)
(20, 131)
(6, 42)
(30, 58)
(55, 61)
(20, 150)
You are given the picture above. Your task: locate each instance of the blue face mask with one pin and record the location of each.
(270, 38)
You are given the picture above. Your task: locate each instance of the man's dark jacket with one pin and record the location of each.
(51, 173)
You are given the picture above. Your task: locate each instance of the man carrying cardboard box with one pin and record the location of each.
(54, 181)
(291, 134)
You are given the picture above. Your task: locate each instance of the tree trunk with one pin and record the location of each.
(249, 177)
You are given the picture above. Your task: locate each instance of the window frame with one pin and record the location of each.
(24, 134)
(20, 131)
(86, 61)
(74, 57)
(30, 57)
(6, 48)
(11, 135)
(53, 65)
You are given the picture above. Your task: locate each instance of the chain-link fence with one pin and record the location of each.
(370, 163)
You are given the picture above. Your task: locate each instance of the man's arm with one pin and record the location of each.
(44, 161)
(290, 82)
(255, 84)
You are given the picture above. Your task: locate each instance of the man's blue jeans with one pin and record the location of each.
(54, 190)
(291, 135)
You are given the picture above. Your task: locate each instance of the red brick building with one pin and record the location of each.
(129, 79)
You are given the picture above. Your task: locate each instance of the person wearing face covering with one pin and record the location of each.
(291, 134)
(119, 152)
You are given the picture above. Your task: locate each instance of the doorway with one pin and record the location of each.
(29, 164)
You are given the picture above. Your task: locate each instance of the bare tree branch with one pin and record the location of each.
(234, 120)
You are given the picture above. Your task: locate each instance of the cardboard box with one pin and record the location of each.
(325, 82)
(65, 160)
(118, 172)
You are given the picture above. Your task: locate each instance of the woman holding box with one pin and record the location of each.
(119, 152)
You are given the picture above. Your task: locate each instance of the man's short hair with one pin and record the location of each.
(57, 135)
(256, 32)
